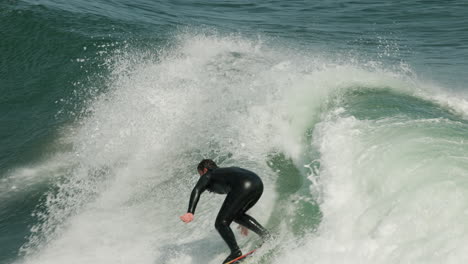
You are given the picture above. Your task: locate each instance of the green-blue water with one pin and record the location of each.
(354, 113)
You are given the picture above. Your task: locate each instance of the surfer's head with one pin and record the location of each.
(205, 165)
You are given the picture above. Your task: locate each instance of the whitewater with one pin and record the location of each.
(362, 162)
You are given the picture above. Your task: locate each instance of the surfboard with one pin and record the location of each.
(241, 257)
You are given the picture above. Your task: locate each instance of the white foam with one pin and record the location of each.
(389, 196)
(23, 179)
(233, 100)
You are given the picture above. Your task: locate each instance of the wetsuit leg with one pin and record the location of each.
(248, 221)
(235, 201)
(252, 224)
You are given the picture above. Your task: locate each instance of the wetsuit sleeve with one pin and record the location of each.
(196, 192)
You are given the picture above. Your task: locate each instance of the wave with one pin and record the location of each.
(370, 183)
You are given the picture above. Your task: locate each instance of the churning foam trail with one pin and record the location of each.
(226, 98)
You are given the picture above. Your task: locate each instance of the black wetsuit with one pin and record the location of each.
(243, 189)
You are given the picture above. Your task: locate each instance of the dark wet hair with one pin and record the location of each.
(206, 164)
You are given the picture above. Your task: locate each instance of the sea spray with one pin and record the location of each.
(242, 103)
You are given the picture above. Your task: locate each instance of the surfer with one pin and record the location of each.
(243, 189)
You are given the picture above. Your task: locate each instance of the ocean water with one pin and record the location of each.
(354, 113)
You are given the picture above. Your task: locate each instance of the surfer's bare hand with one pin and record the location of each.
(243, 230)
(187, 218)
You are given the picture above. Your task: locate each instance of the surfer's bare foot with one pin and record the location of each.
(243, 230)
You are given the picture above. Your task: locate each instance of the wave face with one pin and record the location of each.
(383, 160)
(358, 130)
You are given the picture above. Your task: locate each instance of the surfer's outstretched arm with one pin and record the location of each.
(199, 188)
